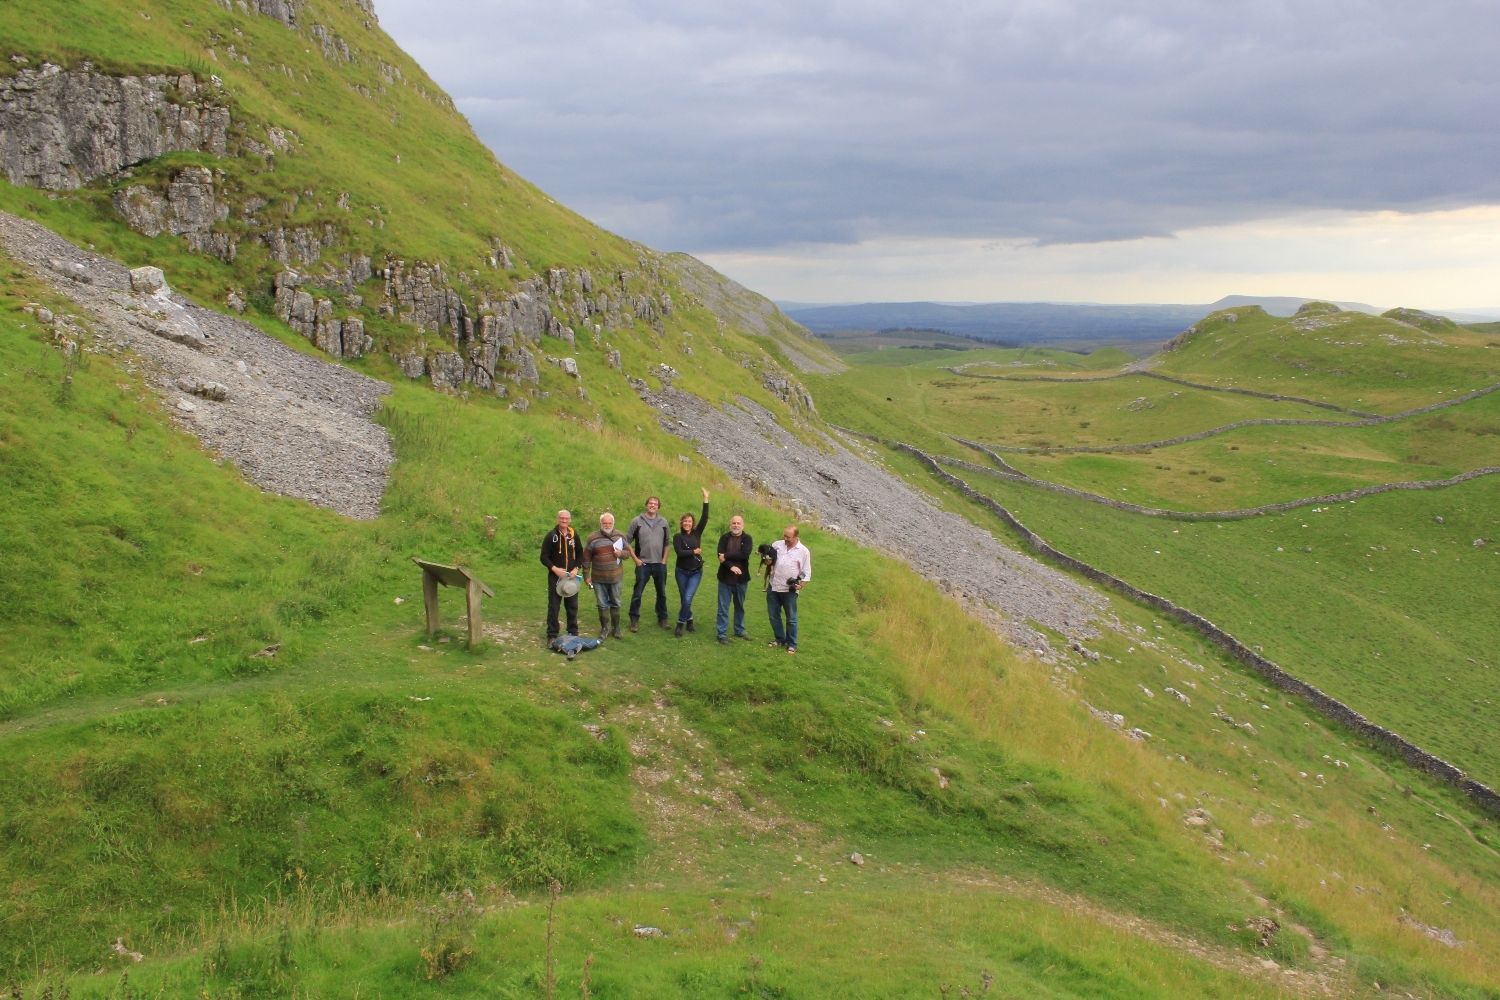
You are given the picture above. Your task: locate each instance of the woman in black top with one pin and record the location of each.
(688, 544)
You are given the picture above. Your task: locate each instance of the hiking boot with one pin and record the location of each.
(742, 635)
(635, 624)
(678, 633)
(614, 623)
(723, 640)
(603, 624)
(664, 623)
(690, 626)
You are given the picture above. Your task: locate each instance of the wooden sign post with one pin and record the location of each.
(452, 576)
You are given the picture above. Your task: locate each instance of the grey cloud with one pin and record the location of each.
(710, 127)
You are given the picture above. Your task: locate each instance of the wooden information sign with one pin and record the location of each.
(452, 576)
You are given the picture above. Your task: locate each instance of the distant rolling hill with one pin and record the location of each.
(1034, 322)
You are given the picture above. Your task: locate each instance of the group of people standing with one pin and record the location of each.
(598, 562)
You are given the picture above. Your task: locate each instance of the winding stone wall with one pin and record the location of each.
(1168, 378)
(1016, 475)
(1271, 422)
(1482, 795)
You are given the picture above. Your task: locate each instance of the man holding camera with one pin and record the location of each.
(791, 572)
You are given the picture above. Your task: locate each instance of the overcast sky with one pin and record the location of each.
(1011, 149)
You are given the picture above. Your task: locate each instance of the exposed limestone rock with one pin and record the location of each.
(526, 370)
(560, 330)
(447, 370)
(788, 390)
(284, 11)
(294, 306)
(147, 280)
(412, 364)
(421, 297)
(355, 342)
(188, 210)
(302, 243)
(144, 210)
(333, 46)
(61, 129)
(328, 333)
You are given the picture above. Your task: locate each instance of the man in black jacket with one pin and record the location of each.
(561, 554)
(735, 549)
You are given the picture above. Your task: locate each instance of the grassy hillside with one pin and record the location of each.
(1382, 364)
(372, 811)
(377, 152)
(1383, 602)
(251, 824)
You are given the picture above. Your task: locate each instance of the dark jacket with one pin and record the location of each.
(565, 554)
(736, 552)
(683, 544)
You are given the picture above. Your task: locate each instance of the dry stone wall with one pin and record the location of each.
(1483, 796)
(1012, 473)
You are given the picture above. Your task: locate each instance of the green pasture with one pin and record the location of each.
(1373, 600)
(1375, 363)
(251, 823)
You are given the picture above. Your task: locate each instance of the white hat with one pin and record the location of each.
(567, 586)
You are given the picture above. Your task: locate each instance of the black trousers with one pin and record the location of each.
(655, 573)
(554, 599)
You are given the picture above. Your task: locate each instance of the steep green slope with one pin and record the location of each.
(252, 824)
(346, 167)
(371, 811)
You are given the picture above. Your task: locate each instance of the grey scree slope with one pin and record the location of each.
(876, 508)
(291, 423)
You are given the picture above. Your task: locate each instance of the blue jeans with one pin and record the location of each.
(657, 574)
(687, 589)
(736, 592)
(776, 603)
(608, 594)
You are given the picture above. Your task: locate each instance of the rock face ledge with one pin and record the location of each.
(61, 129)
(292, 423)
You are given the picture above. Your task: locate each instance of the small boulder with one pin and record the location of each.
(649, 932)
(857, 858)
(147, 280)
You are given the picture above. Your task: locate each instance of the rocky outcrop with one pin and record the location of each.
(61, 129)
(303, 244)
(334, 47)
(188, 209)
(314, 319)
(284, 11)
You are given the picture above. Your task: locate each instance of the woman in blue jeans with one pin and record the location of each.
(688, 544)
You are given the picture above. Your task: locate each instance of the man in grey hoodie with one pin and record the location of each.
(649, 538)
